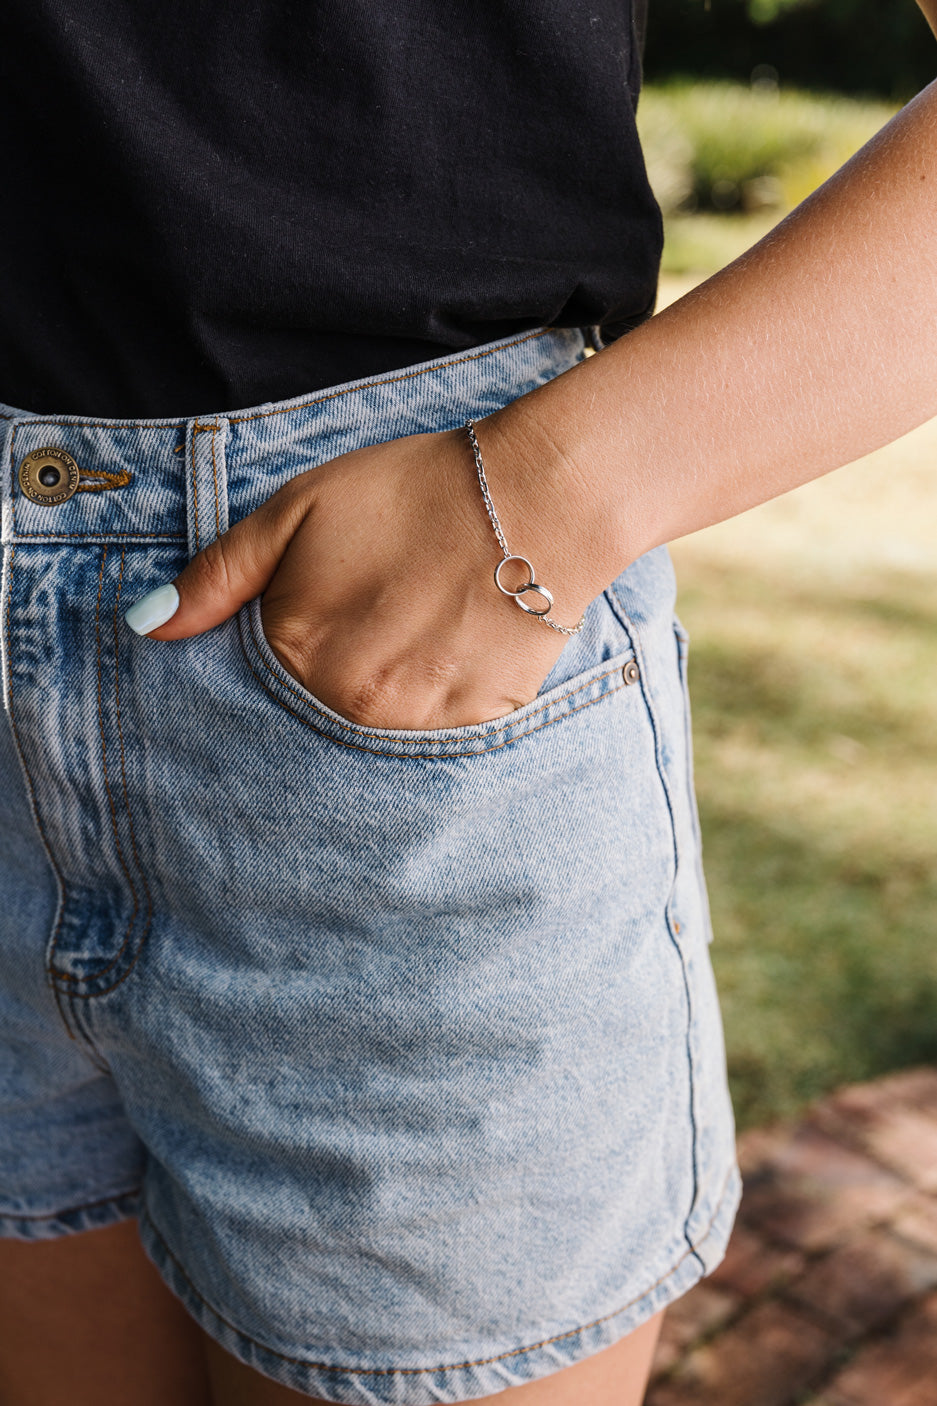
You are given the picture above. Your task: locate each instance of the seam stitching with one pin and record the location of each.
(92, 536)
(423, 741)
(446, 1366)
(214, 470)
(675, 942)
(72, 1210)
(79, 424)
(123, 765)
(94, 977)
(13, 481)
(102, 971)
(107, 780)
(426, 756)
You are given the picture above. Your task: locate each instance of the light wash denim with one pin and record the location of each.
(403, 1046)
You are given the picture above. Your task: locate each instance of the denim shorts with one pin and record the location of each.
(403, 1046)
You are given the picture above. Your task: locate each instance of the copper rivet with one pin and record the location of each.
(48, 476)
(631, 673)
(676, 927)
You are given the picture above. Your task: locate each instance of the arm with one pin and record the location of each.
(815, 347)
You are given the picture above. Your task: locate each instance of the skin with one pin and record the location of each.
(817, 346)
(375, 573)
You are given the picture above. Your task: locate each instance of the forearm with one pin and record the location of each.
(815, 347)
(929, 10)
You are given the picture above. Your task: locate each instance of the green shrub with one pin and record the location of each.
(729, 146)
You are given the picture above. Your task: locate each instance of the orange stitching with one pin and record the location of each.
(89, 995)
(422, 741)
(195, 481)
(428, 756)
(79, 424)
(85, 1206)
(102, 480)
(108, 537)
(389, 381)
(445, 1366)
(214, 431)
(107, 780)
(123, 765)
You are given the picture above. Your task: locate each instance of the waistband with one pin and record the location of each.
(189, 478)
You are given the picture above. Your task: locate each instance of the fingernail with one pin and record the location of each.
(153, 609)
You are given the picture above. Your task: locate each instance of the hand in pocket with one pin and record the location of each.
(378, 597)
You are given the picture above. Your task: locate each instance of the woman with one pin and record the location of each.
(355, 940)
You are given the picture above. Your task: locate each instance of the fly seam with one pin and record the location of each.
(68, 976)
(60, 878)
(109, 537)
(73, 1210)
(88, 995)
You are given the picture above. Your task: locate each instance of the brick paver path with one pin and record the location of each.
(828, 1294)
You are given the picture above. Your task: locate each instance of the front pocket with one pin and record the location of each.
(606, 644)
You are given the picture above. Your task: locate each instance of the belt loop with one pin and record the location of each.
(206, 480)
(594, 337)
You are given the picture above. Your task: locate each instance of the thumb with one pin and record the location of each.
(219, 579)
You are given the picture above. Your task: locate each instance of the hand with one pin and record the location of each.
(376, 572)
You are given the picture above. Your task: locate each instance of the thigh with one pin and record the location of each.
(617, 1376)
(88, 1321)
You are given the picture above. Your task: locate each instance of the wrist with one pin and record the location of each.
(552, 511)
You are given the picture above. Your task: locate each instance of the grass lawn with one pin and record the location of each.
(813, 667)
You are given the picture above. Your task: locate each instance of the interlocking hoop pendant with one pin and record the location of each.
(528, 586)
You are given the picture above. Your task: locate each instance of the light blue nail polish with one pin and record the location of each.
(153, 609)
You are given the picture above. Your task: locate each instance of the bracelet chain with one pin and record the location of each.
(531, 586)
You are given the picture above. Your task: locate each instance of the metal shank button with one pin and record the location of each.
(631, 673)
(49, 476)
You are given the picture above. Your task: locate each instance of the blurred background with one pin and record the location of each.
(813, 619)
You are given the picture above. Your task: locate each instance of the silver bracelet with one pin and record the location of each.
(531, 586)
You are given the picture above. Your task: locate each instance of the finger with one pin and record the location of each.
(219, 579)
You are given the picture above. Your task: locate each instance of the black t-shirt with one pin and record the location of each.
(209, 205)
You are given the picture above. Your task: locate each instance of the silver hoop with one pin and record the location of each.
(540, 591)
(503, 589)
